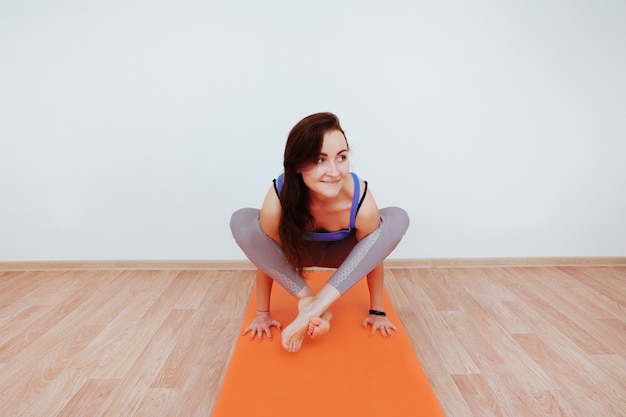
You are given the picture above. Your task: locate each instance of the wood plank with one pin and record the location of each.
(579, 378)
(549, 401)
(398, 285)
(611, 282)
(145, 366)
(572, 319)
(66, 295)
(177, 367)
(26, 382)
(90, 398)
(510, 383)
(478, 395)
(455, 357)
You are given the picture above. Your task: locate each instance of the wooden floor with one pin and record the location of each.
(500, 341)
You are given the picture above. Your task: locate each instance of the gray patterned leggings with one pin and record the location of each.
(353, 260)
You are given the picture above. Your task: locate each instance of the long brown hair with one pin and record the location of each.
(303, 147)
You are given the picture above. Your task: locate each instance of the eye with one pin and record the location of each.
(321, 160)
(342, 158)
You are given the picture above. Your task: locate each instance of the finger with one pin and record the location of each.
(383, 330)
(246, 331)
(259, 335)
(252, 334)
(387, 332)
(276, 324)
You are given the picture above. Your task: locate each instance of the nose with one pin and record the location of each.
(332, 168)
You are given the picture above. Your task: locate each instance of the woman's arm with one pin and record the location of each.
(263, 291)
(368, 220)
(271, 211)
(368, 217)
(263, 321)
(375, 284)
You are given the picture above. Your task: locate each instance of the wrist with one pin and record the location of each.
(377, 312)
(262, 312)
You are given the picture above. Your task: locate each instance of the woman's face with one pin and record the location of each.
(325, 177)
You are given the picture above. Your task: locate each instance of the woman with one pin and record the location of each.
(317, 213)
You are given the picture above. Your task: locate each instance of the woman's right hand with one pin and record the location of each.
(262, 323)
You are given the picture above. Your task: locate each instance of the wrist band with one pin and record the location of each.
(378, 313)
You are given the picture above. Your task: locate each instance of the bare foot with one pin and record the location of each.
(293, 334)
(308, 307)
(319, 325)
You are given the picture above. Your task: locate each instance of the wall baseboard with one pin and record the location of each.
(246, 265)
(125, 265)
(505, 262)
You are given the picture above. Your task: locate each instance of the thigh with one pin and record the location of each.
(332, 254)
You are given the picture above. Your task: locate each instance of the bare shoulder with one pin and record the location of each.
(368, 217)
(270, 214)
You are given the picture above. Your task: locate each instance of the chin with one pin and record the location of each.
(332, 191)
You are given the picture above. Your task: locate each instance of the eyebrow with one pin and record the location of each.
(338, 153)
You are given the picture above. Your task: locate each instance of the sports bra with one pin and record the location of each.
(339, 234)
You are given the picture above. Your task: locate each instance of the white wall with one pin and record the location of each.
(132, 129)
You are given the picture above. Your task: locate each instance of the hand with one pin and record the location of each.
(380, 323)
(262, 323)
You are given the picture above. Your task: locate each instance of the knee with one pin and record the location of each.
(243, 223)
(396, 219)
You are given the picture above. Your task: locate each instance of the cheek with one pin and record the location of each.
(308, 177)
(344, 167)
(312, 172)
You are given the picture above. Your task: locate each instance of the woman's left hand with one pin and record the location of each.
(381, 323)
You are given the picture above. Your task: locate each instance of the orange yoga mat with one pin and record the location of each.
(344, 373)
